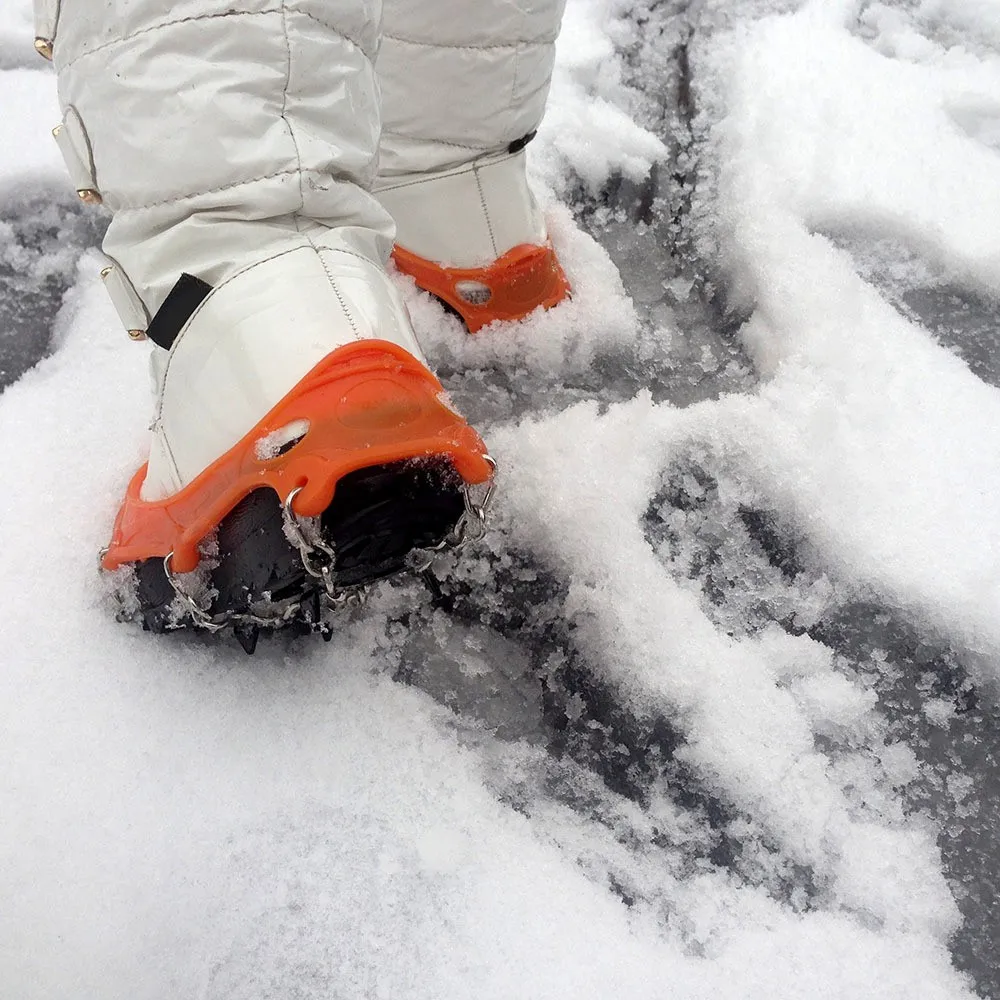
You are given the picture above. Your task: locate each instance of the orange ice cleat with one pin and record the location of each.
(300, 450)
(474, 236)
(366, 405)
(366, 446)
(524, 278)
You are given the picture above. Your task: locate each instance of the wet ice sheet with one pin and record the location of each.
(186, 822)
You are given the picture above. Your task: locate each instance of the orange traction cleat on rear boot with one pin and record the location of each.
(366, 404)
(524, 278)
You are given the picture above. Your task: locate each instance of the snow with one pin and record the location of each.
(587, 126)
(826, 135)
(17, 36)
(30, 112)
(180, 820)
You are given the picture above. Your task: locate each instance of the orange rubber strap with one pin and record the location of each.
(368, 403)
(524, 278)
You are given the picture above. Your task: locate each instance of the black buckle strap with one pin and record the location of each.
(518, 144)
(187, 294)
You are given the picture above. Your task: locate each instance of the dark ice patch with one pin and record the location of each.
(42, 235)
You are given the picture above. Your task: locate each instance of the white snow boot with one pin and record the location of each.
(297, 423)
(463, 91)
(301, 448)
(474, 237)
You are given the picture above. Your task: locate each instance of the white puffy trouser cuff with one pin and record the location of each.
(461, 79)
(219, 133)
(464, 82)
(238, 141)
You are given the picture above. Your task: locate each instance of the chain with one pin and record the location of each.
(474, 515)
(216, 623)
(318, 559)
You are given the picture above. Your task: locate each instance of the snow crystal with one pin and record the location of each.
(939, 711)
(272, 444)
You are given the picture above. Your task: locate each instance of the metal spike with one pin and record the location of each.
(315, 613)
(247, 635)
(439, 599)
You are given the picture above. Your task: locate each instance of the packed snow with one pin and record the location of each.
(728, 805)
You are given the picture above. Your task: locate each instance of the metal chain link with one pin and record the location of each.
(216, 623)
(317, 557)
(318, 560)
(474, 513)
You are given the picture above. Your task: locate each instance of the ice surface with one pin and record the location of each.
(976, 20)
(725, 806)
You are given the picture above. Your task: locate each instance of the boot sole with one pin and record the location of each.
(379, 515)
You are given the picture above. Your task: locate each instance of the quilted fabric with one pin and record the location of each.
(221, 132)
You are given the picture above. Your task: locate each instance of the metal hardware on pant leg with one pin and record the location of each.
(106, 273)
(74, 146)
(130, 308)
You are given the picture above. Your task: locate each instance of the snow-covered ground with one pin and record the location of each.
(710, 714)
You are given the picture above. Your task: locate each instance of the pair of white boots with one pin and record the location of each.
(260, 161)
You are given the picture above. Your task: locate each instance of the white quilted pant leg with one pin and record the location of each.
(461, 78)
(220, 132)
